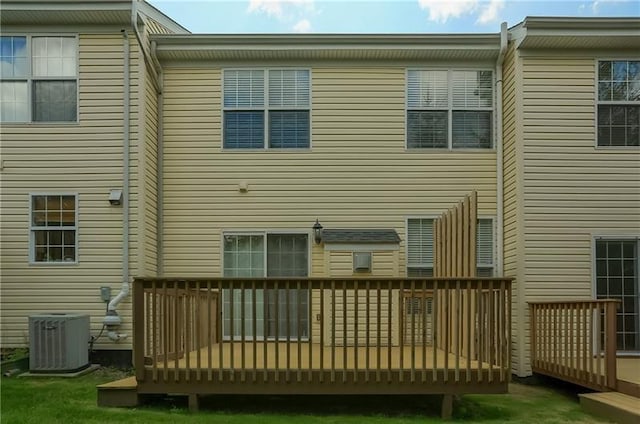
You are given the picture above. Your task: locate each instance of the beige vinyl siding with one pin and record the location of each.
(150, 177)
(572, 190)
(357, 173)
(512, 191)
(154, 27)
(383, 263)
(83, 158)
(340, 264)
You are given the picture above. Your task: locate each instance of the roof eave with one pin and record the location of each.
(326, 39)
(579, 33)
(552, 23)
(336, 46)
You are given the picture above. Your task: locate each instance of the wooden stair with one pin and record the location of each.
(119, 393)
(615, 406)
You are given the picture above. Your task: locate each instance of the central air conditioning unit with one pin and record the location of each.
(58, 342)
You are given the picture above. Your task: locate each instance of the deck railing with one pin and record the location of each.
(321, 332)
(575, 341)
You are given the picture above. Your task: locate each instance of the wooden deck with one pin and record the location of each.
(628, 376)
(323, 370)
(436, 336)
(349, 358)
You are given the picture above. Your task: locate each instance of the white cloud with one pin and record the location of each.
(280, 9)
(302, 26)
(596, 4)
(487, 11)
(491, 12)
(441, 11)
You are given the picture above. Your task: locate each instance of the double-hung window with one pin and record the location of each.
(619, 103)
(449, 109)
(420, 252)
(266, 109)
(38, 78)
(53, 228)
(266, 255)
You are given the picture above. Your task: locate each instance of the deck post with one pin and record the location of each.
(447, 407)
(194, 402)
(610, 344)
(138, 329)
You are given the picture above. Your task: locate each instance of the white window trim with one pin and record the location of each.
(30, 78)
(450, 110)
(32, 230)
(266, 108)
(493, 241)
(598, 102)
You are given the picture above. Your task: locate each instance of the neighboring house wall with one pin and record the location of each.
(357, 173)
(572, 190)
(83, 158)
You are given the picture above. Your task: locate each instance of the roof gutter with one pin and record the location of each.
(499, 153)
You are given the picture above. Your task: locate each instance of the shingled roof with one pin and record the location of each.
(360, 236)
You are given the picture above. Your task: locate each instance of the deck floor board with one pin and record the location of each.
(356, 358)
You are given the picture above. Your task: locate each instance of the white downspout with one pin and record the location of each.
(499, 149)
(112, 320)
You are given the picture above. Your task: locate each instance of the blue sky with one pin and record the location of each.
(376, 16)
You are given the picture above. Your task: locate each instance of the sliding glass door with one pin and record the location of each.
(617, 265)
(286, 312)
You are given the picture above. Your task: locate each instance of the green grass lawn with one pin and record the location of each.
(67, 401)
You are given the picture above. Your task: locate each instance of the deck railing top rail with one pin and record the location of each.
(315, 282)
(573, 302)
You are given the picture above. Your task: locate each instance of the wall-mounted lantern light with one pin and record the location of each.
(317, 232)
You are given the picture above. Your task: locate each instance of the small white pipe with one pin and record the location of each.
(499, 152)
(124, 292)
(116, 336)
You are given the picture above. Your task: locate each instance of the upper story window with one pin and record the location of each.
(38, 78)
(420, 253)
(266, 109)
(449, 109)
(53, 228)
(619, 103)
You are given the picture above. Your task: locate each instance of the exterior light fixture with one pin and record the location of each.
(317, 232)
(115, 197)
